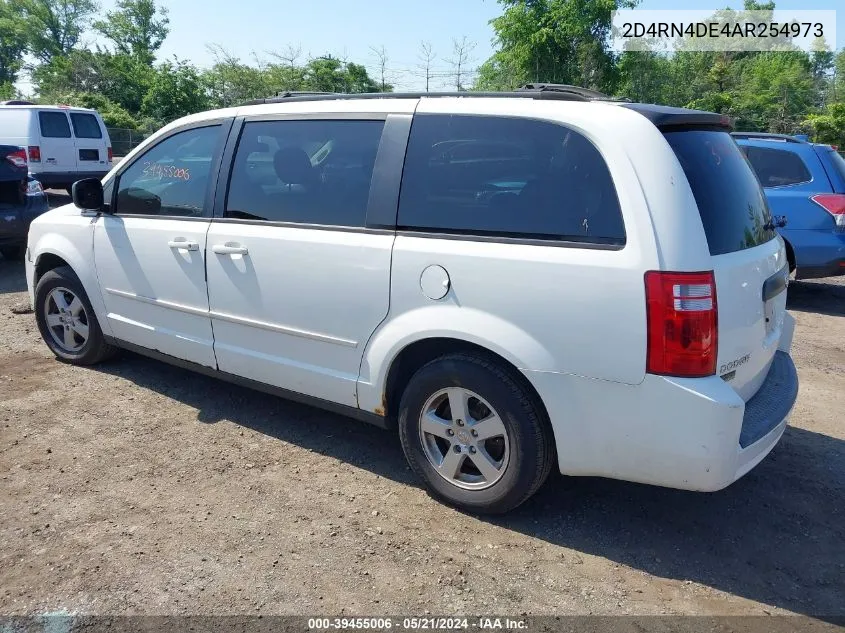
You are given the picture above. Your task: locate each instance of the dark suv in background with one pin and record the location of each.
(805, 182)
(22, 199)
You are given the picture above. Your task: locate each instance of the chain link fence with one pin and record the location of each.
(124, 140)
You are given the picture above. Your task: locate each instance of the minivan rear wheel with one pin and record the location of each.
(474, 434)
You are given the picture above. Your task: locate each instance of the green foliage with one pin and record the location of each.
(13, 42)
(829, 126)
(121, 78)
(329, 74)
(52, 28)
(560, 41)
(231, 82)
(176, 90)
(776, 91)
(7, 91)
(137, 28)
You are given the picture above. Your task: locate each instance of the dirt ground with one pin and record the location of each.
(138, 488)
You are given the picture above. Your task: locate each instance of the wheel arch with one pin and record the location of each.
(53, 251)
(415, 355)
(790, 255)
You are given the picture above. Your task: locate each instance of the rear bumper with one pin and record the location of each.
(15, 221)
(693, 434)
(65, 178)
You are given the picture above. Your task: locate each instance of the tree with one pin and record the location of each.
(838, 79)
(381, 64)
(230, 82)
(329, 74)
(829, 126)
(556, 41)
(12, 44)
(426, 58)
(122, 79)
(776, 92)
(461, 51)
(176, 91)
(137, 28)
(52, 28)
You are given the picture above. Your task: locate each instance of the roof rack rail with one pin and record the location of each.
(767, 136)
(529, 91)
(577, 90)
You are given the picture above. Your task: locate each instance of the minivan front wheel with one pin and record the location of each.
(474, 434)
(66, 319)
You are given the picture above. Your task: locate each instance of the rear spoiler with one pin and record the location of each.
(668, 118)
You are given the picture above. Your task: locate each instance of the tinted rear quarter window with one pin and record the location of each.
(54, 124)
(85, 125)
(730, 201)
(777, 167)
(499, 176)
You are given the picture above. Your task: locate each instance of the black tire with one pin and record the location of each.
(12, 253)
(529, 435)
(95, 348)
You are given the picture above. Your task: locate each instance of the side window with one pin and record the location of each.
(309, 172)
(171, 178)
(507, 176)
(54, 124)
(85, 125)
(777, 167)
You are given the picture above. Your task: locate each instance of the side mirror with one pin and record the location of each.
(88, 194)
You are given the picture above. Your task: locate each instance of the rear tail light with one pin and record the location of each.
(681, 313)
(834, 204)
(111, 155)
(18, 158)
(34, 154)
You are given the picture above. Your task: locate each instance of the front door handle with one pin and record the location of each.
(183, 245)
(229, 249)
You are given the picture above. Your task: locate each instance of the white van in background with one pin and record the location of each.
(63, 144)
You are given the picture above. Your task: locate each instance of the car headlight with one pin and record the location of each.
(34, 188)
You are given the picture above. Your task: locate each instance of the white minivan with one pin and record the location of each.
(63, 144)
(516, 281)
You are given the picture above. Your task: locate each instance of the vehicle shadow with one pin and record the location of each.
(12, 276)
(816, 296)
(777, 536)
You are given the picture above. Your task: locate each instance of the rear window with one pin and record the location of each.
(838, 163)
(85, 125)
(732, 205)
(54, 124)
(777, 167)
(510, 177)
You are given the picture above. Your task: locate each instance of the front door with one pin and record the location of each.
(150, 252)
(297, 283)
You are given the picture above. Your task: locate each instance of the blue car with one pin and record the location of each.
(805, 183)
